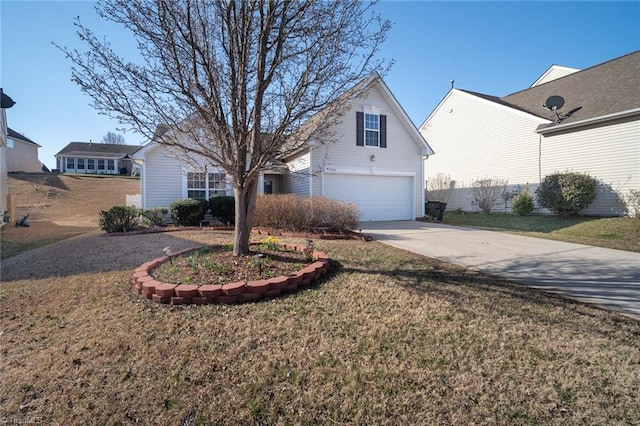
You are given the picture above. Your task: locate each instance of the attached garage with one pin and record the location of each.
(379, 197)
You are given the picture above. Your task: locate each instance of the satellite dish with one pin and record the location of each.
(554, 102)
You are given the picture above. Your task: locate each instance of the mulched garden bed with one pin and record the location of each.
(218, 265)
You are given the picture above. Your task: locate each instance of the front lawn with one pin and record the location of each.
(390, 338)
(621, 233)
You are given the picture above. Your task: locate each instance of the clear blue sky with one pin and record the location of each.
(495, 48)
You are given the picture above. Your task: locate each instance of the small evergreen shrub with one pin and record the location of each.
(303, 214)
(188, 212)
(154, 216)
(224, 208)
(119, 219)
(523, 204)
(566, 193)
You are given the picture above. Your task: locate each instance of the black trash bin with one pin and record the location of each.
(436, 209)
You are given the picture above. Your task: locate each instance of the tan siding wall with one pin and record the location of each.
(23, 157)
(163, 178)
(402, 154)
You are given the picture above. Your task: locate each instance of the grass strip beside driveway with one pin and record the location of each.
(622, 233)
(391, 338)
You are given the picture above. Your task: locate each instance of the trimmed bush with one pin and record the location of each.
(293, 213)
(224, 208)
(523, 204)
(188, 212)
(119, 219)
(566, 193)
(154, 216)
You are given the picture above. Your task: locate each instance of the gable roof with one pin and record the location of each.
(358, 89)
(15, 135)
(601, 90)
(554, 72)
(90, 149)
(604, 90)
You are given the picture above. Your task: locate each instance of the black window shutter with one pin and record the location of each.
(359, 128)
(383, 131)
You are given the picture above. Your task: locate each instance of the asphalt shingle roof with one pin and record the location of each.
(15, 135)
(607, 88)
(89, 149)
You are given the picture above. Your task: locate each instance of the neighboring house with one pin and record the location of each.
(22, 153)
(374, 160)
(596, 131)
(5, 199)
(97, 158)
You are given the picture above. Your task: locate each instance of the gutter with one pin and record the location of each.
(597, 120)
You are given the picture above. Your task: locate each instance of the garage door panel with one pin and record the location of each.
(377, 197)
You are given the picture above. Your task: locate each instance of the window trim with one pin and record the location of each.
(205, 183)
(362, 129)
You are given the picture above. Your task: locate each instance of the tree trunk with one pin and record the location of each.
(245, 202)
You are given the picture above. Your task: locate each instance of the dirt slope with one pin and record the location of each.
(60, 206)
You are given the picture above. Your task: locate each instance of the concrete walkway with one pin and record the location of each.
(603, 277)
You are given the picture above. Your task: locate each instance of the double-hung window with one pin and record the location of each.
(197, 186)
(371, 129)
(217, 184)
(71, 163)
(111, 165)
(100, 165)
(204, 186)
(91, 164)
(80, 162)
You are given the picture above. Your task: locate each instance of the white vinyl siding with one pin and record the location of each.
(474, 138)
(402, 155)
(611, 154)
(162, 178)
(298, 178)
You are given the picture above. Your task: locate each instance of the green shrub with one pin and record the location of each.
(523, 204)
(119, 219)
(224, 208)
(302, 214)
(188, 212)
(566, 193)
(154, 216)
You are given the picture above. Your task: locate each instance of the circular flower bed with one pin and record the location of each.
(150, 284)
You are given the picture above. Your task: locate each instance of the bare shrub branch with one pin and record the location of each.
(487, 192)
(439, 188)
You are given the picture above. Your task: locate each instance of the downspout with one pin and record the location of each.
(539, 158)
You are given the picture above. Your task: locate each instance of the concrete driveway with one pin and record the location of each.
(602, 277)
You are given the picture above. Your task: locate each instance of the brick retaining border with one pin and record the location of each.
(237, 292)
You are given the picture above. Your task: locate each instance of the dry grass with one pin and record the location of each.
(60, 206)
(392, 338)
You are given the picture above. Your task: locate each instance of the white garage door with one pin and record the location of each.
(377, 197)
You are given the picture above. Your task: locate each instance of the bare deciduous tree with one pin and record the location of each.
(232, 81)
(439, 187)
(488, 191)
(113, 138)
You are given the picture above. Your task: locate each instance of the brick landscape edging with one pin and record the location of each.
(236, 292)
